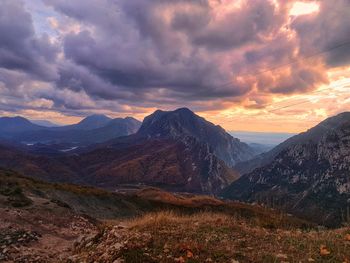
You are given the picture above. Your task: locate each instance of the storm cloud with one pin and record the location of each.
(124, 55)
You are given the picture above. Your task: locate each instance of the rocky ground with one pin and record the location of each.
(42, 222)
(207, 237)
(40, 236)
(164, 237)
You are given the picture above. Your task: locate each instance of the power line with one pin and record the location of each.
(307, 100)
(288, 106)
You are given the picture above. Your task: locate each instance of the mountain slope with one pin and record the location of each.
(45, 123)
(312, 135)
(182, 122)
(14, 125)
(89, 123)
(308, 176)
(165, 163)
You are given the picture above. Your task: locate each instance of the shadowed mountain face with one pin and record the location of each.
(10, 125)
(165, 163)
(309, 174)
(89, 123)
(93, 129)
(45, 123)
(182, 122)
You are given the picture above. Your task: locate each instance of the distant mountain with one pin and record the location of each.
(11, 125)
(266, 138)
(260, 148)
(182, 122)
(89, 123)
(45, 123)
(308, 175)
(92, 129)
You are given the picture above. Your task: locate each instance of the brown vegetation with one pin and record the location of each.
(212, 237)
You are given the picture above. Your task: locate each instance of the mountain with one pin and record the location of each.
(89, 123)
(266, 138)
(183, 123)
(92, 129)
(309, 174)
(14, 125)
(260, 148)
(45, 123)
(177, 152)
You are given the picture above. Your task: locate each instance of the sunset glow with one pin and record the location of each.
(243, 66)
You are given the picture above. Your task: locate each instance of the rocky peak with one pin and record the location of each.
(181, 123)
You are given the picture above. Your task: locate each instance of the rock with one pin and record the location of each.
(189, 254)
(281, 256)
(120, 226)
(324, 251)
(347, 237)
(180, 260)
(89, 244)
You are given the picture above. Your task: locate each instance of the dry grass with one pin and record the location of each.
(156, 194)
(218, 237)
(163, 218)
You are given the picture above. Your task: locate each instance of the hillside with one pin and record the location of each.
(43, 222)
(211, 237)
(308, 174)
(166, 163)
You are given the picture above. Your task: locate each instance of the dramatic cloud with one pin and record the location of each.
(328, 30)
(20, 48)
(130, 57)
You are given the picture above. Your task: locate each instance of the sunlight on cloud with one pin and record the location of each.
(304, 8)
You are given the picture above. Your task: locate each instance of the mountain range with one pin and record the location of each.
(307, 175)
(92, 129)
(176, 150)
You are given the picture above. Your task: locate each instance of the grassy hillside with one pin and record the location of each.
(211, 237)
(45, 222)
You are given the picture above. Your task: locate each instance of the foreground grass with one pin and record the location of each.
(214, 237)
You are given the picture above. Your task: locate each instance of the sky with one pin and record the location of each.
(247, 65)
